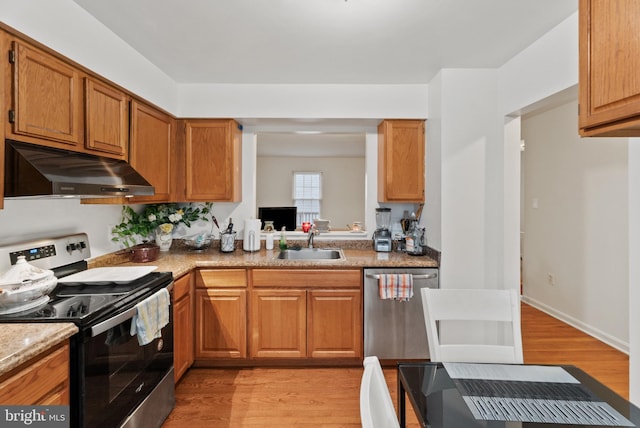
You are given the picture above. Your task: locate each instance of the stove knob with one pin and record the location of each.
(71, 247)
(83, 245)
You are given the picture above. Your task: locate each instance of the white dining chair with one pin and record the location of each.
(376, 406)
(494, 309)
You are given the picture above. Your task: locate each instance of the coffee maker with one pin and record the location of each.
(382, 236)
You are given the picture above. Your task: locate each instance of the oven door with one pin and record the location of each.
(117, 373)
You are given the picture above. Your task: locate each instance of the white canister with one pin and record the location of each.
(269, 241)
(251, 239)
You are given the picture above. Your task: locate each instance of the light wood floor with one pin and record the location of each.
(328, 397)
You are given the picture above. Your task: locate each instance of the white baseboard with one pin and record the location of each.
(591, 331)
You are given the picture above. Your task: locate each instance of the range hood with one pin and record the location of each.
(32, 171)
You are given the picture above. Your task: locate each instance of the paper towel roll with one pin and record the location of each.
(251, 239)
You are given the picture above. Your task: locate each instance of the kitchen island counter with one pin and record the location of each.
(21, 342)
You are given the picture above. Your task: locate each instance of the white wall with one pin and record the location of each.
(67, 28)
(433, 186)
(303, 101)
(576, 224)
(343, 184)
(26, 219)
(471, 177)
(547, 67)
(634, 270)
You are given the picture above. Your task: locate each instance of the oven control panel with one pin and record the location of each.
(33, 253)
(47, 253)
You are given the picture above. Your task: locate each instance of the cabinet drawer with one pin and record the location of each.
(307, 278)
(43, 382)
(216, 278)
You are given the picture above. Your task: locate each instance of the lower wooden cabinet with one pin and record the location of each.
(278, 323)
(182, 325)
(334, 324)
(308, 313)
(221, 317)
(221, 314)
(251, 316)
(43, 382)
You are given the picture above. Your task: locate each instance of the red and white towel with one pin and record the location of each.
(396, 286)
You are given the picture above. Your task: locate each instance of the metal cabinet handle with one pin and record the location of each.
(425, 276)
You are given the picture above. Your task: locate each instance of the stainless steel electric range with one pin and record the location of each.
(114, 381)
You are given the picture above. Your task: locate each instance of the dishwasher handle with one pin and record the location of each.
(424, 276)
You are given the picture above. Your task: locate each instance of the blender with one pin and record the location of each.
(382, 234)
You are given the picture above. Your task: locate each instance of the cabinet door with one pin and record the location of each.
(335, 324)
(107, 119)
(182, 325)
(401, 161)
(43, 382)
(213, 161)
(150, 151)
(47, 98)
(221, 320)
(278, 324)
(609, 63)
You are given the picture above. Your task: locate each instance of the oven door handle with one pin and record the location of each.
(112, 322)
(426, 276)
(118, 319)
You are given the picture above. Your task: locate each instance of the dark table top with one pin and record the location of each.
(438, 403)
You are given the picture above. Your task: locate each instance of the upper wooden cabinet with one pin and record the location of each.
(47, 98)
(57, 104)
(213, 161)
(401, 162)
(151, 150)
(609, 43)
(107, 119)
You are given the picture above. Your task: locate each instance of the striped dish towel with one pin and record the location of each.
(396, 286)
(151, 315)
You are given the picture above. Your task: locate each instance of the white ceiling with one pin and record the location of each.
(326, 41)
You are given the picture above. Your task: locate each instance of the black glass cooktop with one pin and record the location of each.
(83, 303)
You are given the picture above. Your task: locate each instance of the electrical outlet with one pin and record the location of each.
(551, 279)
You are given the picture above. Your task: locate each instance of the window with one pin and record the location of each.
(307, 194)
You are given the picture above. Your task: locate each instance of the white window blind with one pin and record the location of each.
(307, 195)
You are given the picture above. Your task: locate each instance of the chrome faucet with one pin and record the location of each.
(312, 231)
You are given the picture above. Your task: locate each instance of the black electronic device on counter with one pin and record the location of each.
(281, 216)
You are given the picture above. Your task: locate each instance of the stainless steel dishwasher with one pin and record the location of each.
(393, 329)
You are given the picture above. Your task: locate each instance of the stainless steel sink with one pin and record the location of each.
(312, 254)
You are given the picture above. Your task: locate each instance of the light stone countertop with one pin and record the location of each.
(21, 342)
(180, 261)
